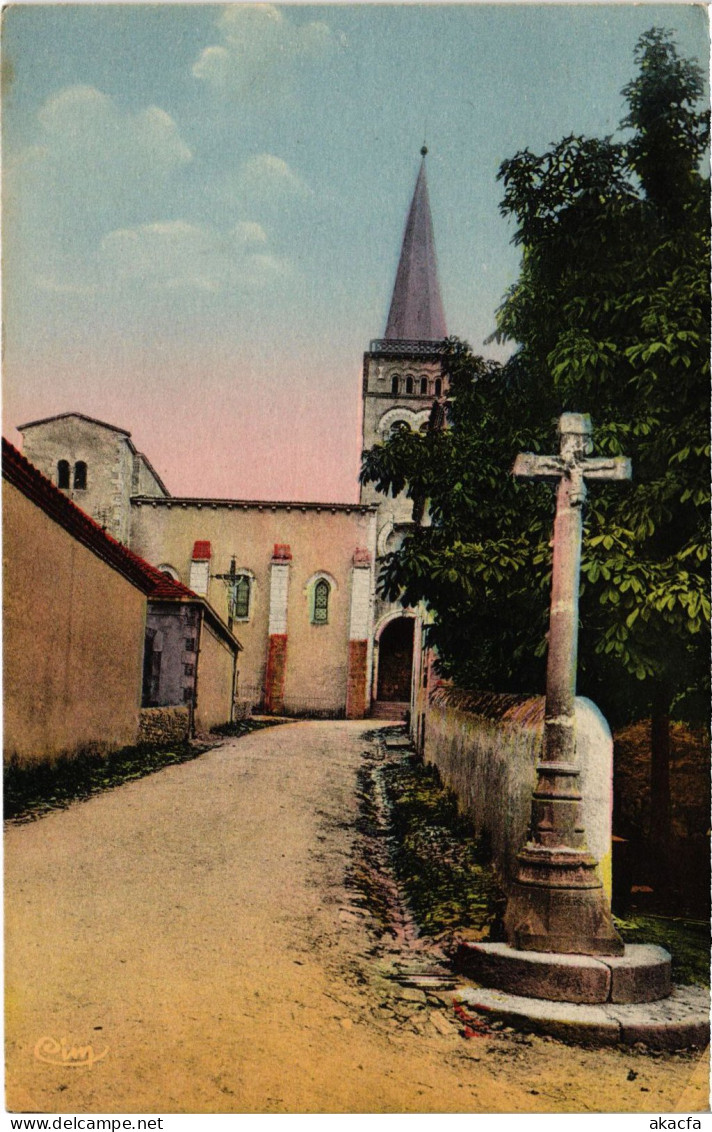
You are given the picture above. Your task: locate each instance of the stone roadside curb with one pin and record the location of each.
(678, 1022)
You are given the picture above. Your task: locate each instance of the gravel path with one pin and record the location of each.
(195, 929)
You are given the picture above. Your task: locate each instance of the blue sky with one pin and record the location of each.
(204, 206)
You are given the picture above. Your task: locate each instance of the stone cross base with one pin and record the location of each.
(557, 904)
(641, 974)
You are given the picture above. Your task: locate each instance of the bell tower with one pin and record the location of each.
(402, 377)
(402, 372)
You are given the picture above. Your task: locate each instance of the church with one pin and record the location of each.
(294, 581)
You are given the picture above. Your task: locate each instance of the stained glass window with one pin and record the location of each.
(241, 598)
(321, 602)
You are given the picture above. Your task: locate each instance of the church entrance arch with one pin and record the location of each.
(395, 660)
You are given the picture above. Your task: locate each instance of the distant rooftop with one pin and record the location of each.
(156, 585)
(102, 424)
(81, 417)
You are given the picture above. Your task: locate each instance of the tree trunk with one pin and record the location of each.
(660, 803)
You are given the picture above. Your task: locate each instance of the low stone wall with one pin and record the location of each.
(162, 725)
(486, 746)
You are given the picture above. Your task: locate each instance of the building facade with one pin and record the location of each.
(296, 581)
(95, 638)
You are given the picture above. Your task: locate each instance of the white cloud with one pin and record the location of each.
(261, 51)
(90, 167)
(249, 234)
(270, 176)
(82, 123)
(174, 255)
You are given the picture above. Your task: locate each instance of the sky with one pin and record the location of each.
(204, 205)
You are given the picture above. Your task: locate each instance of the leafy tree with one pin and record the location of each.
(611, 316)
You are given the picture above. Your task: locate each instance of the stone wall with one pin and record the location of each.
(73, 641)
(485, 747)
(216, 680)
(163, 725)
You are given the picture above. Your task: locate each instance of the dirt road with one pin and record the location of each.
(196, 931)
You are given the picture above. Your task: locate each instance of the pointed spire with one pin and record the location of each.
(416, 307)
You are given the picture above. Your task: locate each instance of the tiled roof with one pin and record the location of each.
(18, 470)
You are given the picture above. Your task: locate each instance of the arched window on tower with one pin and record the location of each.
(394, 383)
(409, 384)
(423, 385)
(438, 387)
(63, 474)
(80, 476)
(320, 608)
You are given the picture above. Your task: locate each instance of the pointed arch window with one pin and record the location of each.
(80, 476)
(63, 474)
(320, 607)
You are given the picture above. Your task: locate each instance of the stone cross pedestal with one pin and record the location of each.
(557, 902)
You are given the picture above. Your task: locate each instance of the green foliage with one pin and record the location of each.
(611, 317)
(688, 942)
(447, 877)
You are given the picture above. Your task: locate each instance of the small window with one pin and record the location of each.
(63, 474)
(80, 476)
(190, 644)
(409, 384)
(240, 598)
(394, 383)
(423, 385)
(321, 602)
(438, 386)
(189, 669)
(187, 695)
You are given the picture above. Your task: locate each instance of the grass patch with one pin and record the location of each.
(450, 884)
(445, 872)
(243, 727)
(32, 791)
(688, 942)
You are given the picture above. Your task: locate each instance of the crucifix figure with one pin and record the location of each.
(557, 901)
(230, 580)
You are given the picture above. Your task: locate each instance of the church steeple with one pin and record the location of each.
(416, 307)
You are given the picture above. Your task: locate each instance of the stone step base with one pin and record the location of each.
(680, 1021)
(389, 709)
(641, 974)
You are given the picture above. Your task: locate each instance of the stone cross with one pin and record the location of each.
(571, 468)
(558, 902)
(229, 580)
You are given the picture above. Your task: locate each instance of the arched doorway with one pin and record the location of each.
(395, 661)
